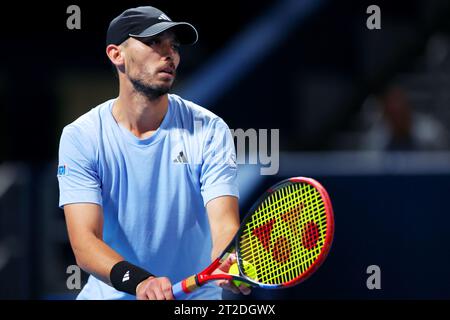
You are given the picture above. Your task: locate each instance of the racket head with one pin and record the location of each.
(287, 234)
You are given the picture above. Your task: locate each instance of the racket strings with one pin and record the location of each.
(310, 250)
(306, 257)
(284, 207)
(285, 234)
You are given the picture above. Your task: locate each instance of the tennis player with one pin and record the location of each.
(148, 179)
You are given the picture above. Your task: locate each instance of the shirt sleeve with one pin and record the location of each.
(219, 169)
(77, 173)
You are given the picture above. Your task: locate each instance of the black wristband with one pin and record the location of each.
(125, 276)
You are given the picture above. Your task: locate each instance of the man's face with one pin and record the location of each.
(151, 63)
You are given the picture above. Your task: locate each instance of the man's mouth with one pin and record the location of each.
(168, 70)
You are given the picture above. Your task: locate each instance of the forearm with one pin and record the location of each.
(223, 213)
(222, 239)
(95, 257)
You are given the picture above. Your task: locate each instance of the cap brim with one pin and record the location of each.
(185, 32)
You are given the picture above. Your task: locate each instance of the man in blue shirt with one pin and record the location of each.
(148, 179)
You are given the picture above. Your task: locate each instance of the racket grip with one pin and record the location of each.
(178, 292)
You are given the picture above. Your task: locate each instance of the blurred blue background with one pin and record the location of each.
(365, 112)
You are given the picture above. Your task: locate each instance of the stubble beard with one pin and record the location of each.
(150, 91)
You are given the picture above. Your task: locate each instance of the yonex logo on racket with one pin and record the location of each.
(281, 249)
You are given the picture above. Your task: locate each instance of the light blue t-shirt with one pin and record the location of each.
(153, 191)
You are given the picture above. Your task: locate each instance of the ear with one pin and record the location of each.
(116, 55)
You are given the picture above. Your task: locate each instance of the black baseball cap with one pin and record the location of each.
(143, 22)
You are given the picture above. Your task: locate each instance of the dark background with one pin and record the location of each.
(340, 94)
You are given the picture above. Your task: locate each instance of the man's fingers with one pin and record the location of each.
(228, 285)
(158, 293)
(166, 287)
(156, 289)
(225, 266)
(231, 288)
(168, 295)
(162, 289)
(245, 290)
(141, 296)
(150, 295)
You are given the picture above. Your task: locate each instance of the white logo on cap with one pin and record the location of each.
(164, 17)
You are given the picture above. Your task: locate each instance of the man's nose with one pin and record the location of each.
(168, 51)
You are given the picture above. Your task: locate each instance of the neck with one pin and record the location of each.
(139, 114)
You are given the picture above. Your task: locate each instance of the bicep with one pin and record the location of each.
(83, 219)
(218, 175)
(223, 214)
(78, 177)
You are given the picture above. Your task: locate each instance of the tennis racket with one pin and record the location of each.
(282, 241)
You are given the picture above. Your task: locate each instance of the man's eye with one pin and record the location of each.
(176, 47)
(151, 42)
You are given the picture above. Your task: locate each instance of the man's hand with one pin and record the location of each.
(154, 288)
(228, 284)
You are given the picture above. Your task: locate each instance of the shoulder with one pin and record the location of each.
(193, 112)
(88, 124)
(90, 121)
(84, 131)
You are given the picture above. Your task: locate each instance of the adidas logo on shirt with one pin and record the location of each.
(126, 276)
(181, 158)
